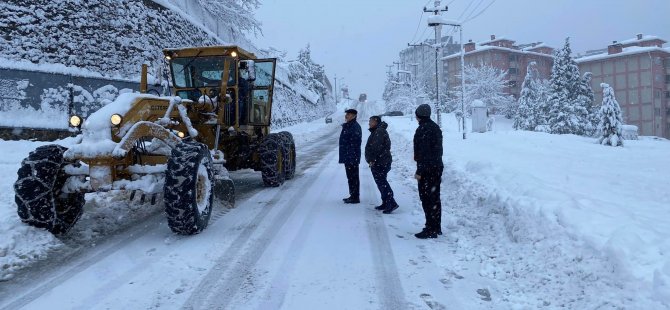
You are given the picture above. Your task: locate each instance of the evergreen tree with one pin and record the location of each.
(587, 98)
(610, 119)
(526, 116)
(566, 114)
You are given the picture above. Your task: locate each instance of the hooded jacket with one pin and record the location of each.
(350, 143)
(378, 147)
(427, 146)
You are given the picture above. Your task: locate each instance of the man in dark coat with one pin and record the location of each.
(350, 154)
(428, 157)
(378, 156)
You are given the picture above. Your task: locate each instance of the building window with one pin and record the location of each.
(633, 96)
(667, 63)
(667, 94)
(621, 65)
(667, 79)
(513, 57)
(513, 71)
(657, 94)
(657, 111)
(633, 80)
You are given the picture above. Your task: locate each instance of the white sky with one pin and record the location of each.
(355, 39)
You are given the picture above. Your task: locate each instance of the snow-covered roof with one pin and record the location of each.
(494, 40)
(531, 47)
(626, 51)
(644, 38)
(489, 47)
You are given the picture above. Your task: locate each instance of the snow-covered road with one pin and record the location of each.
(299, 247)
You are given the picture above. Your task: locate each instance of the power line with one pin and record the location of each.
(474, 9)
(480, 13)
(466, 9)
(417, 27)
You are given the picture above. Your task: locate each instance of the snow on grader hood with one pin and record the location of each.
(180, 146)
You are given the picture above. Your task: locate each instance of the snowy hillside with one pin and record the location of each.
(106, 36)
(70, 41)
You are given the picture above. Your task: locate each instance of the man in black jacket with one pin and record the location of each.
(350, 153)
(428, 157)
(378, 156)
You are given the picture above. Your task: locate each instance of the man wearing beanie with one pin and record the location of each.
(350, 153)
(428, 157)
(378, 156)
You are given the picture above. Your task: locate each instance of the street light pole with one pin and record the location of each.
(460, 29)
(335, 89)
(436, 22)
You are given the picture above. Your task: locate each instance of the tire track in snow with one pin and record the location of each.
(389, 287)
(276, 290)
(216, 289)
(48, 274)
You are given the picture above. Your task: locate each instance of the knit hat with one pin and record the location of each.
(352, 111)
(423, 110)
(377, 118)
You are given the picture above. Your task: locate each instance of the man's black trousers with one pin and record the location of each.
(352, 178)
(429, 192)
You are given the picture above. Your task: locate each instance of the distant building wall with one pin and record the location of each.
(639, 72)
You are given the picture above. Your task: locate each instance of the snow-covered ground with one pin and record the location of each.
(530, 221)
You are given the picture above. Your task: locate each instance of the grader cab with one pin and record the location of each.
(217, 119)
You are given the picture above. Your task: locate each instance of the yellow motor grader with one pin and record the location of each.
(217, 119)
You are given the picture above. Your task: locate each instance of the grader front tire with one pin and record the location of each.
(38, 191)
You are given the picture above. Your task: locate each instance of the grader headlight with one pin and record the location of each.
(181, 134)
(75, 121)
(116, 119)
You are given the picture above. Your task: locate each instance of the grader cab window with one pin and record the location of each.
(189, 72)
(261, 105)
(260, 113)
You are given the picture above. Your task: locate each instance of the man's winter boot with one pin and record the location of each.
(352, 200)
(392, 208)
(425, 234)
(380, 207)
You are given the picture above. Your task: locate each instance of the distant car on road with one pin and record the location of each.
(393, 113)
(329, 120)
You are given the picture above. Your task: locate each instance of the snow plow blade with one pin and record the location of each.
(224, 192)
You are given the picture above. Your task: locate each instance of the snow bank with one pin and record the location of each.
(548, 187)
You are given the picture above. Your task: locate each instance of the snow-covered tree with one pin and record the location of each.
(403, 96)
(483, 83)
(586, 98)
(238, 14)
(566, 114)
(610, 119)
(527, 115)
(306, 72)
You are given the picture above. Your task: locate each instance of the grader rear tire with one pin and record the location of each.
(289, 151)
(272, 160)
(188, 191)
(38, 191)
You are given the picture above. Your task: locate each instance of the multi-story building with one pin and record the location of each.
(639, 71)
(421, 57)
(503, 54)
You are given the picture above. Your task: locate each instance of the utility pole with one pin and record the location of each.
(336, 89)
(438, 30)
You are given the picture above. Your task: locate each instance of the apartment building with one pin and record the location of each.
(416, 59)
(639, 71)
(504, 54)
